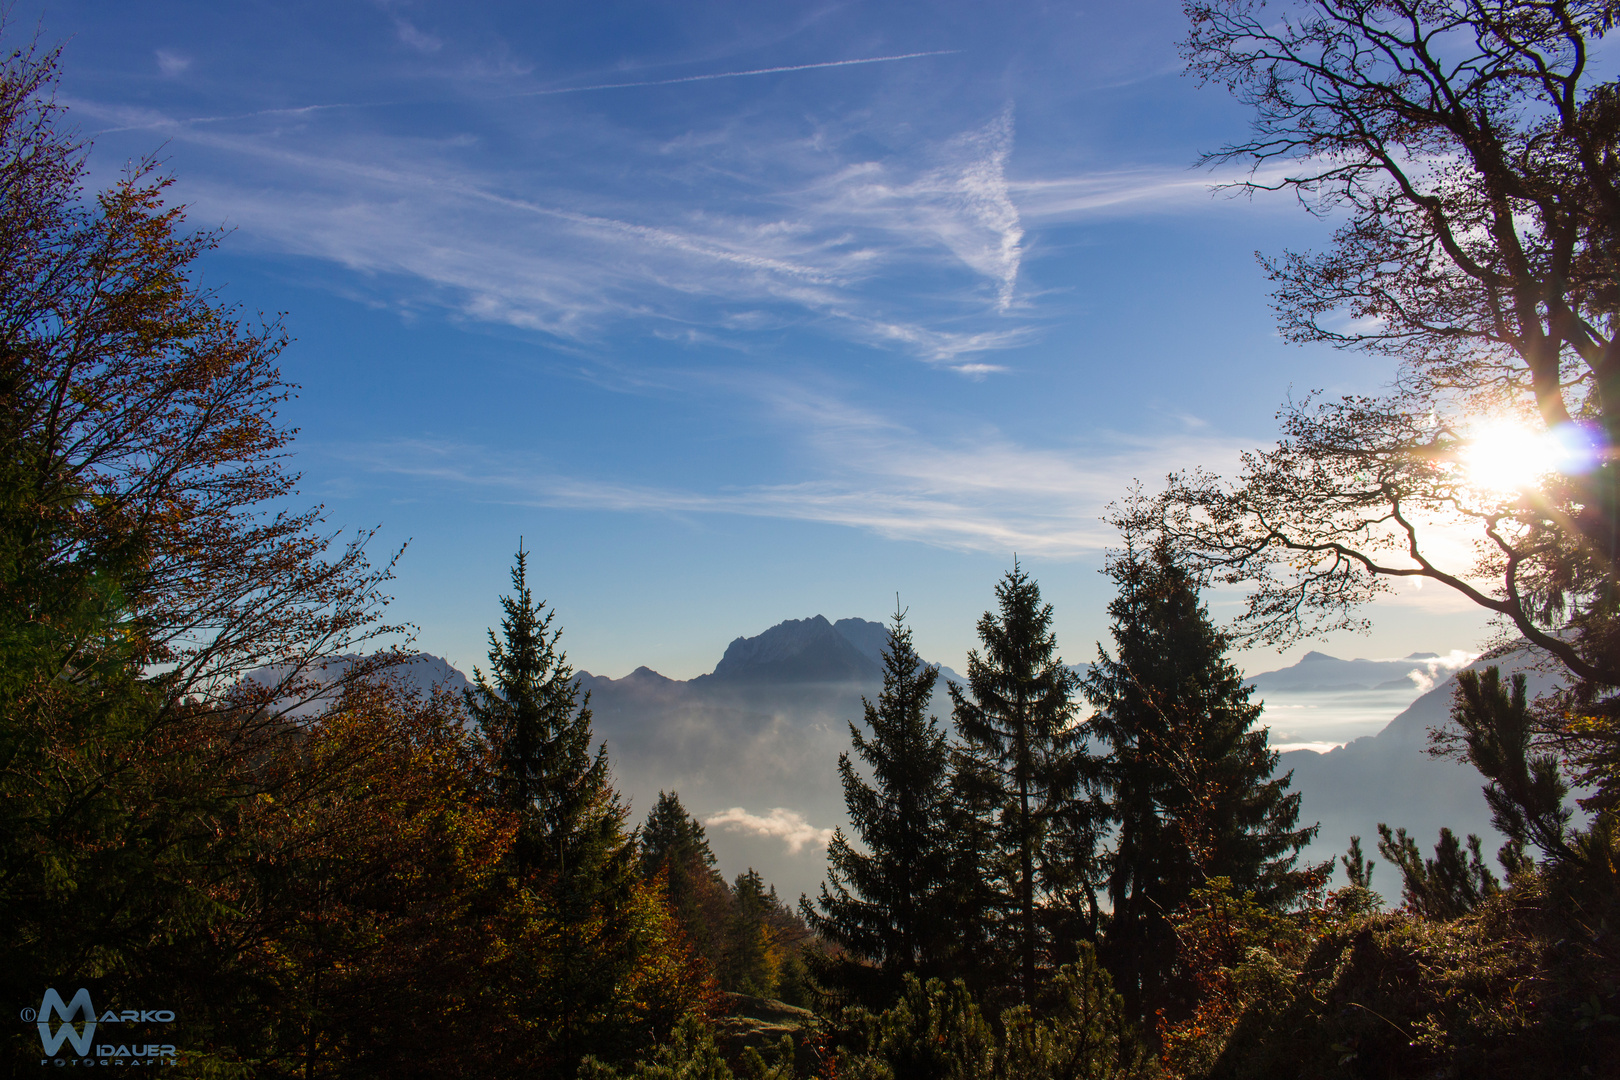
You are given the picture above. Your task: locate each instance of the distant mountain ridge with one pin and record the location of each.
(1318, 672)
(764, 730)
(806, 650)
(812, 650)
(1389, 777)
(419, 673)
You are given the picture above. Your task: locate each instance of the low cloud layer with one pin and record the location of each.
(780, 823)
(1441, 668)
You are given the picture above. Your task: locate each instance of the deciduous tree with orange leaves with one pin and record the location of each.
(146, 566)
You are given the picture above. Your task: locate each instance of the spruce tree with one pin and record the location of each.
(1022, 757)
(572, 857)
(672, 837)
(1188, 778)
(570, 821)
(674, 844)
(889, 905)
(753, 957)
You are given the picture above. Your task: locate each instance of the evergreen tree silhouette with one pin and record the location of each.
(889, 904)
(570, 821)
(1188, 778)
(1021, 757)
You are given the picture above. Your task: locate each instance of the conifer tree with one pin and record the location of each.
(674, 844)
(1525, 789)
(572, 857)
(673, 837)
(1188, 778)
(570, 821)
(1448, 886)
(889, 905)
(1357, 867)
(1022, 754)
(751, 963)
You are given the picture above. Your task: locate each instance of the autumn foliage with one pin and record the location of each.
(215, 793)
(206, 800)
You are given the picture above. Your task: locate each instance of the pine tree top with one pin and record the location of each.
(529, 708)
(1169, 655)
(1022, 694)
(671, 833)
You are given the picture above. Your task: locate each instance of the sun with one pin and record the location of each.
(1505, 456)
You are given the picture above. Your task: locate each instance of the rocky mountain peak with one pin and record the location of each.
(806, 650)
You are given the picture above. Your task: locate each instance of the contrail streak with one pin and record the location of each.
(296, 110)
(739, 74)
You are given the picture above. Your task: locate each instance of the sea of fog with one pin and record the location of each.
(1320, 721)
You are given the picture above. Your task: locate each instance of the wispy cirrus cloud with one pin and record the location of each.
(1114, 192)
(172, 63)
(734, 229)
(416, 38)
(861, 470)
(962, 201)
(571, 260)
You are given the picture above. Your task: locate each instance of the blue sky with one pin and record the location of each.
(734, 312)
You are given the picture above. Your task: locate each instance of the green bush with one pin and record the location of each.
(934, 1032)
(1083, 1035)
(690, 1054)
(1490, 994)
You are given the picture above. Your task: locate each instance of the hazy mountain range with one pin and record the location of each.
(1389, 777)
(753, 746)
(1320, 673)
(1323, 702)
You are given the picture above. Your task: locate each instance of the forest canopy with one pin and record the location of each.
(207, 800)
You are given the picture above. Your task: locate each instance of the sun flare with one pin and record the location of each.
(1504, 456)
